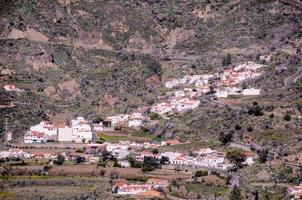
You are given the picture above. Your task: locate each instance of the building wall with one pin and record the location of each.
(65, 134)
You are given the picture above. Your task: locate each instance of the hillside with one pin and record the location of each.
(97, 58)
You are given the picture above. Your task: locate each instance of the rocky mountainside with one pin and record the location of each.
(97, 58)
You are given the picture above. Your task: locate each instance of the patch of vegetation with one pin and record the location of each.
(111, 138)
(203, 189)
(275, 137)
(154, 116)
(201, 173)
(141, 133)
(5, 194)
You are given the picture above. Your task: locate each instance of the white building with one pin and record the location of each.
(136, 120)
(162, 108)
(205, 151)
(251, 92)
(221, 93)
(118, 119)
(124, 163)
(185, 104)
(33, 137)
(98, 127)
(130, 189)
(12, 88)
(234, 90)
(45, 127)
(171, 155)
(179, 93)
(180, 160)
(81, 130)
(172, 83)
(248, 66)
(120, 153)
(65, 134)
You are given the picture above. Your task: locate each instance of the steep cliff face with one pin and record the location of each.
(101, 57)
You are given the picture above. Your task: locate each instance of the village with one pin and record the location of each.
(183, 95)
(221, 84)
(126, 154)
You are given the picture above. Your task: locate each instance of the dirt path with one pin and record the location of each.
(292, 79)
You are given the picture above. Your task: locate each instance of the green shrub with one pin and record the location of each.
(201, 173)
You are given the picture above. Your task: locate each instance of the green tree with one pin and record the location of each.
(227, 60)
(201, 173)
(225, 138)
(262, 155)
(155, 151)
(60, 160)
(164, 160)
(236, 157)
(80, 159)
(235, 194)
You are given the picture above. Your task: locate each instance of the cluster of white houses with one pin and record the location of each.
(12, 88)
(177, 105)
(146, 189)
(14, 153)
(136, 119)
(79, 131)
(207, 157)
(223, 82)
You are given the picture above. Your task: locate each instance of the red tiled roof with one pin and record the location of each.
(37, 134)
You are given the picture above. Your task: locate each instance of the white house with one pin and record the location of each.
(205, 151)
(45, 127)
(81, 130)
(33, 137)
(234, 90)
(179, 93)
(118, 119)
(98, 127)
(251, 92)
(248, 66)
(124, 163)
(120, 153)
(171, 155)
(162, 108)
(221, 93)
(180, 160)
(65, 134)
(185, 104)
(136, 120)
(249, 158)
(130, 189)
(12, 88)
(172, 83)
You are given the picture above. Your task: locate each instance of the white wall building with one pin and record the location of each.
(33, 137)
(120, 153)
(251, 92)
(46, 128)
(12, 88)
(81, 130)
(98, 127)
(172, 83)
(248, 66)
(221, 93)
(65, 134)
